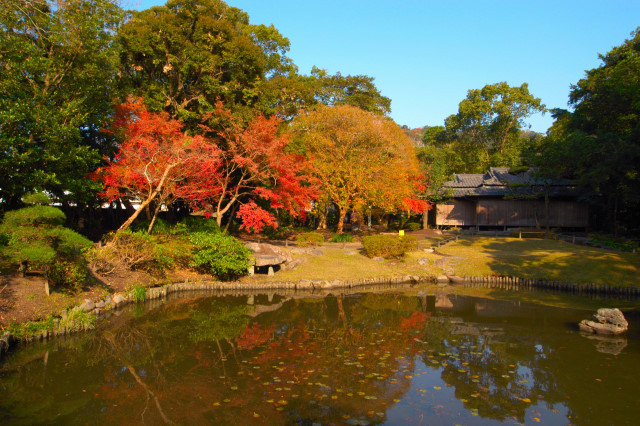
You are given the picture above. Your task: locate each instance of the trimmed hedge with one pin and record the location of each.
(388, 245)
(309, 238)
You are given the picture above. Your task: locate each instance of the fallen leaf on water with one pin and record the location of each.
(256, 415)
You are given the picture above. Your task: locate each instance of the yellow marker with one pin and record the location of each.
(401, 232)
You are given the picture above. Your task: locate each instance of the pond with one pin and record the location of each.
(363, 358)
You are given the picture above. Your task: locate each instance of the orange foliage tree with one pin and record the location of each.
(361, 159)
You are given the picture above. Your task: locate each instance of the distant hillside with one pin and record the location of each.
(415, 135)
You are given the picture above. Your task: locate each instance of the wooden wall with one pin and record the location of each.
(512, 213)
(456, 213)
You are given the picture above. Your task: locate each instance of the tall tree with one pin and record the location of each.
(360, 159)
(185, 56)
(486, 129)
(57, 78)
(599, 143)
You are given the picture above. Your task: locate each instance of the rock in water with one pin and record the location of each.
(605, 321)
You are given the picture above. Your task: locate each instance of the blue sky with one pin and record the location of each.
(426, 55)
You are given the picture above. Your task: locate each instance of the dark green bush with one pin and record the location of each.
(413, 226)
(341, 238)
(225, 256)
(274, 233)
(160, 226)
(68, 274)
(388, 245)
(191, 224)
(37, 239)
(309, 239)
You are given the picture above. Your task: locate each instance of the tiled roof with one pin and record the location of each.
(499, 182)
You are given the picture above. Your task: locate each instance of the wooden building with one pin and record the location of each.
(510, 200)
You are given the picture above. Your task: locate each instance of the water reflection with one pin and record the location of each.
(356, 359)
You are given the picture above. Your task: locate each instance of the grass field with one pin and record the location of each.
(526, 258)
(547, 259)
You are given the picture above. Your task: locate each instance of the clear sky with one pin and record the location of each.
(425, 55)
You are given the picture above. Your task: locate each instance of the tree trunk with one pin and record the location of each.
(322, 219)
(153, 219)
(343, 213)
(146, 202)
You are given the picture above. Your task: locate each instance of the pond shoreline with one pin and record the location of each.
(65, 325)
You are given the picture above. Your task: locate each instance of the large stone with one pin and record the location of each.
(316, 252)
(88, 305)
(119, 299)
(378, 259)
(605, 321)
(423, 261)
(266, 259)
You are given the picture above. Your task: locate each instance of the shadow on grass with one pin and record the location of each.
(555, 260)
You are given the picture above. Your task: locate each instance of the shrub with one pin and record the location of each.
(132, 250)
(200, 224)
(274, 233)
(35, 238)
(68, 274)
(160, 226)
(223, 255)
(309, 238)
(341, 238)
(413, 226)
(388, 245)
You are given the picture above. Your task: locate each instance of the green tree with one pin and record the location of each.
(187, 55)
(57, 78)
(286, 95)
(599, 143)
(486, 129)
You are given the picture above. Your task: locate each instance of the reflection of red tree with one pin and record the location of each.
(416, 321)
(253, 335)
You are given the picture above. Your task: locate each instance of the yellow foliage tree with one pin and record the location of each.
(361, 159)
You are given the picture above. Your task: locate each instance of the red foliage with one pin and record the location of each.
(254, 162)
(158, 162)
(415, 205)
(415, 321)
(255, 218)
(155, 158)
(254, 335)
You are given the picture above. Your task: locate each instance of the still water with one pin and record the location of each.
(366, 358)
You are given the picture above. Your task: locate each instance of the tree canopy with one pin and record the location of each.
(486, 130)
(599, 143)
(360, 159)
(185, 56)
(57, 80)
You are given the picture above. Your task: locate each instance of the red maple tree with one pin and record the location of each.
(229, 168)
(155, 160)
(254, 164)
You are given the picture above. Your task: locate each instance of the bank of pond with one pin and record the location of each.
(391, 354)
